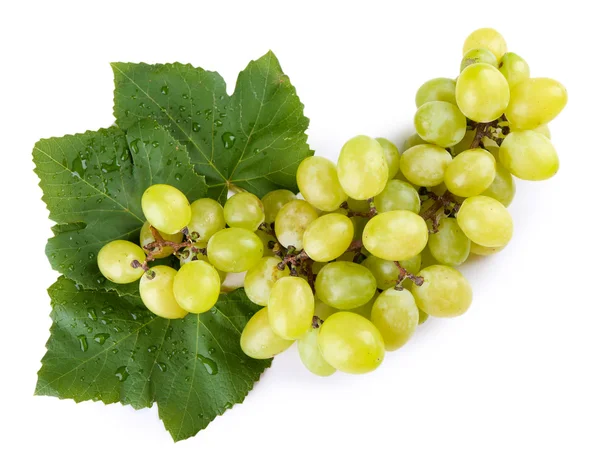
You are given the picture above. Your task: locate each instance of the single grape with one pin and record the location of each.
(351, 343)
(535, 101)
(291, 307)
(156, 292)
(207, 218)
(482, 93)
(291, 222)
(365, 309)
(345, 285)
(234, 250)
(423, 316)
(396, 235)
(323, 310)
(196, 286)
(358, 224)
(358, 206)
(487, 38)
(362, 168)
(503, 187)
(244, 210)
(477, 56)
(442, 89)
(166, 208)
(481, 250)
(529, 155)
(414, 140)
(310, 354)
(396, 316)
(386, 272)
(275, 200)
(392, 156)
(398, 195)
(425, 165)
(328, 237)
(470, 173)
(427, 258)
(258, 340)
(465, 143)
(485, 221)
(146, 238)
(440, 123)
(318, 182)
(261, 277)
(445, 292)
(449, 246)
(115, 258)
(514, 68)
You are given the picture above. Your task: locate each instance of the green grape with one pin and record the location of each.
(115, 258)
(541, 129)
(166, 208)
(529, 155)
(514, 68)
(362, 168)
(291, 222)
(146, 238)
(358, 206)
(487, 38)
(424, 165)
(464, 144)
(156, 292)
(328, 237)
(234, 250)
(207, 218)
(535, 101)
(396, 235)
(261, 277)
(440, 123)
(196, 286)
(318, 182)
(244, 210)
(358, 224)
(449, 246)
(442, 89)
(291, 307)
(386, 272)
(423, 316)
(485, 221)
(481, 250)
(398, 195)
(482, 93)
(477, 56)
(396, 316)
(503, 187)
(258, 340)
(470, 173)
(351, 343)
(310, 354)
(345, 285)
(414, 140)
(427, 258)
(322, 310)
(392, 156)
(365, 309)
(189, 255)
(445, 292)
(275, 200)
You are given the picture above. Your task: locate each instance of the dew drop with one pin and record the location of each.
(83, 344)
(209, 364)
(228, 140)
(177, 176)
(155, 144)
(164, 90)
(196, 127)
(101, 338)
(134, 146)
(161, 366)
(122, 374)
(152, 349)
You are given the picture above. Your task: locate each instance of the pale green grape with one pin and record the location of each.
(362, 168)
(485, 221)
(425, 165)
(386, 272)
(398, 195)
(365, 309)
(258, 340)
(396, 316)
(396, 235)
(359, 224)
(189, 255)
(115, 258)
(445, 292)
(535, 101)
(427, 258)
(481, 250)
(392, 156)
(423, 316)
(482, 93)
(487, 38)
(310, 354)
(464, 144)
(319, 184)
(351, 343)
(261, 277)
(358, 206)
(291, 307)
(156, 292)
(514, 68)
(476, 56)
(328, 237)
(449, 246)
(345, 285)
(412, 141)
(503, 187)
(166, 208)
(275, 200)
(196, 286)
(146, 238)
(442, 89)
(266, 238)
(291, 222)
(323, 310)
(440, 123)
(207, 218)
(244, 210)
(529, 155)
(541, 129)
(234, 250)
(470, 173)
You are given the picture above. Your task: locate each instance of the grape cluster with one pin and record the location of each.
(370, 248)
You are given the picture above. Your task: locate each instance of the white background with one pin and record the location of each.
(516, 377)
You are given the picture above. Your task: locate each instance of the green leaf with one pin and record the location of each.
(254, 139)
(93, 185)
(110, 348)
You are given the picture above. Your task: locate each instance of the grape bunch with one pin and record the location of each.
(369, 249)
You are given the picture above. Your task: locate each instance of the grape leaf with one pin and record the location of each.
(110, 348)
(253, 139)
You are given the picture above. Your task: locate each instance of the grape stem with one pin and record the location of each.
(404, 274)
(369, 214)
(154, 248)
(268, 228)
(317, 322)
(443, 201)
